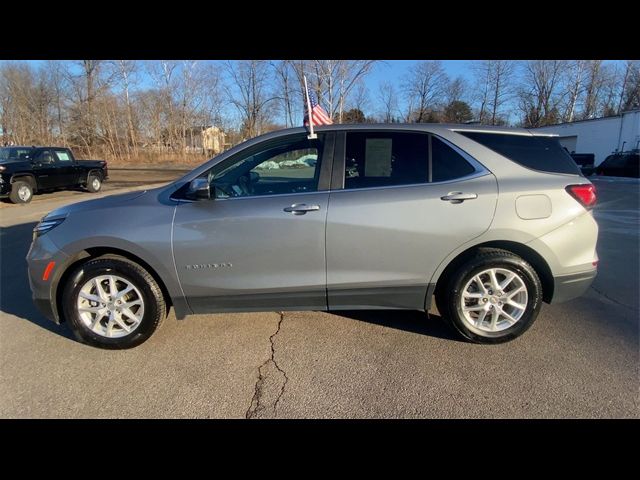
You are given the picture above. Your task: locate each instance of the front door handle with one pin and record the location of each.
(301, 208)
(459, 197)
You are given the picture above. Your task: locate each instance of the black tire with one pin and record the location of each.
(15, 188)
(94, 182)
(448, 298)
(154, 303)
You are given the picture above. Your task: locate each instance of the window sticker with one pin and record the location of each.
(63, 156)
(378, 157)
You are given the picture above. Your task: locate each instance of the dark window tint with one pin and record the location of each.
(538, 153)
(378, 159)
(615, 161)
(447, 164)
(15, 154)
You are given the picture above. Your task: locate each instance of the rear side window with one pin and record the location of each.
(63, 155)
(379, 159)
(537, 153)
(447, 164)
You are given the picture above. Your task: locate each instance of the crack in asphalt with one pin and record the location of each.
(617, 302)
(256, 405)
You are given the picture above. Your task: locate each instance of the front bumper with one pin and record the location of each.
(42, 252)
(5, 187)
(568, 287)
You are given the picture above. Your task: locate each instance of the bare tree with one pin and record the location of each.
(456, 90)
(249, 93)
(593, 89)
(494, 87)
(540, 95)
(630, 90)
(501, 77)
(57, 75)
(359, 98)
(576, 77)
(127, 71)
(424, 86)
(389, 100)
(288, 87)
(482, 88)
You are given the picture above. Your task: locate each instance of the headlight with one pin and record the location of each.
(45, 225)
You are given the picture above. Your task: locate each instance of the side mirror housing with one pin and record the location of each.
(199, 189)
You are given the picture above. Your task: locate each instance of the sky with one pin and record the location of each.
(393, 71)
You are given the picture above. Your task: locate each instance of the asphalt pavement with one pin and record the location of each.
(579, 360)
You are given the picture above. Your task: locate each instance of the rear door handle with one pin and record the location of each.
(301, 208)
(459, 197)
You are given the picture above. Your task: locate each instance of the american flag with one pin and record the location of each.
(318, 115)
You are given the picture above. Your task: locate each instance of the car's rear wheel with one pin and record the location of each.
(112, 302)
(21, 192)
(94, 183)
(494, 297)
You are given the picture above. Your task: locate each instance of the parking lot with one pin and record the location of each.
(579, 360)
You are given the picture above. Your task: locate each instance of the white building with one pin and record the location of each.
(600, 136)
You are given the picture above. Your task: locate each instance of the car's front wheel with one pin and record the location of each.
(21, 192)
(112, 302)
(493, 297)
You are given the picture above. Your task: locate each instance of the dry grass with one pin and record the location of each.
(152, 159)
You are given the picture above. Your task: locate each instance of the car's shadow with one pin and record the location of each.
(15, 294)
(431, 325)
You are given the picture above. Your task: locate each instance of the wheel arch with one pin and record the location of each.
(25, 176)
(527, 253)
(97, 171)
(95, 252)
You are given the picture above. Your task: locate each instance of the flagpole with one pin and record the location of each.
(311, 135)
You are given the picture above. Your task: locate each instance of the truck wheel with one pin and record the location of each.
(111, 302)
(94, 183)
(493, 298)
(21, 192)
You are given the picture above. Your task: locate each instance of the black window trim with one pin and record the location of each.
(324, 175)
(338, 178)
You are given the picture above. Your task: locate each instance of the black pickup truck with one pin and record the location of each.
(28, 170)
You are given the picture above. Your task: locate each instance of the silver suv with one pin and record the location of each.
(489, 221)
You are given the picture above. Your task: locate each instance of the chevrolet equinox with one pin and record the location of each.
(490, 222)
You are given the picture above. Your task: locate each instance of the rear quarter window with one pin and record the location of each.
(544, 154)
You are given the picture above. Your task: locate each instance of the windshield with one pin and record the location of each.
(14, 154)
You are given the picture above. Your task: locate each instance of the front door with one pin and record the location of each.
(45, 169)
(396, 217)
(259, 243)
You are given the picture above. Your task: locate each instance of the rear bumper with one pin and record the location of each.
(568, 287)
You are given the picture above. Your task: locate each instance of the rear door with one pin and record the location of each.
(400, 203)
(67, 168)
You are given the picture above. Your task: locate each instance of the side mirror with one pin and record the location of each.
(199, 189)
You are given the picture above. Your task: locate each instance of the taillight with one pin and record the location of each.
(585, 194)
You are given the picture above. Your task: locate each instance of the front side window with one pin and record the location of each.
(282, 169)
(45, 157)
(379, 159)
